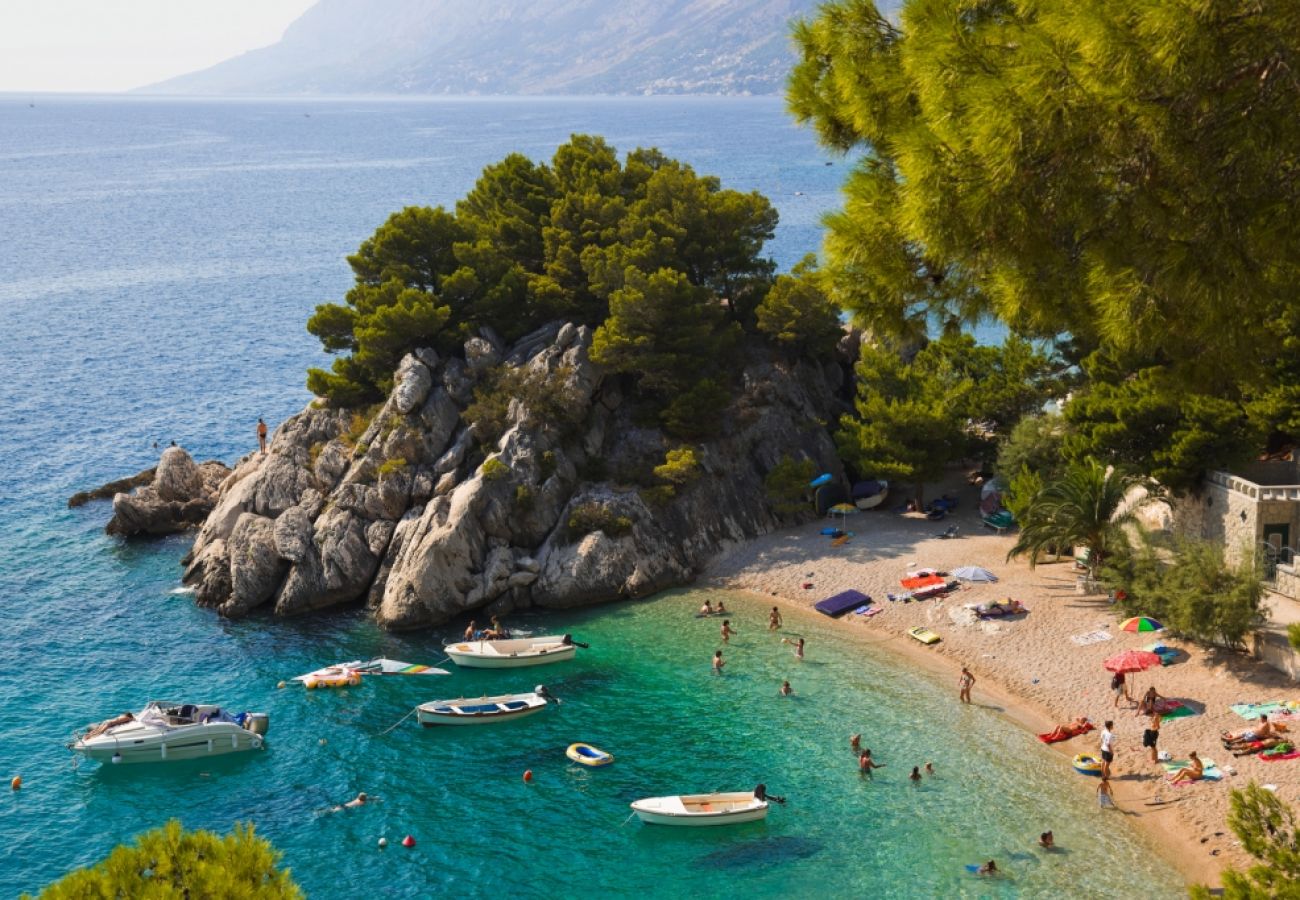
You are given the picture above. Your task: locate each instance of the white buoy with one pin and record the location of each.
(117, 757)
(383, 842)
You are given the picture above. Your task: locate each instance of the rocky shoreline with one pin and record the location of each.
(426, 516)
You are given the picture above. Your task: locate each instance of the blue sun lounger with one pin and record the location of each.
(839, 604)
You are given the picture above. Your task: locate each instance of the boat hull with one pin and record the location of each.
(672, 812)
(479, 711)
(472, 660)
(177, 745)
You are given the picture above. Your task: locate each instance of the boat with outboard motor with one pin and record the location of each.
(167, 732)
(481, 710)
(513, 653)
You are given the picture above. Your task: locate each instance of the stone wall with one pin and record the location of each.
(1222, 515)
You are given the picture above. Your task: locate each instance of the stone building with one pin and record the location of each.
(1255, 511)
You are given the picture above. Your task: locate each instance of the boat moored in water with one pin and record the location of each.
(698, 810)
(481, 710)
(167, 732)
(513, 653)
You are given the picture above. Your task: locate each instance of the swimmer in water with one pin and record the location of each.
(916, 773)
(786, 690)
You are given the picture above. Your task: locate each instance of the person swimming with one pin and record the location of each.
(717, 662)
(866, 763)
(798, 646)
(1046, 841)
(727, 631)
(929, 768)
(786, 690)
(916, 773)
(706, 609)
(855, 743)
(720, 609)
(989, 868)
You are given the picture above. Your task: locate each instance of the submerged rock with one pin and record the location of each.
(425, 516)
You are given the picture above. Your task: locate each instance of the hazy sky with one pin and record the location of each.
(115, 45)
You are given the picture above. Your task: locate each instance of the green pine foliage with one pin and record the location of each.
(172, 862)
(798, 315)
(1268, 831)
(1110, 175)
(666, 262)
(787, 485)
(912, 419)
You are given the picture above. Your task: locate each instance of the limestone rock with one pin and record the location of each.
(255, 567)
(180, 496)
(412, 384)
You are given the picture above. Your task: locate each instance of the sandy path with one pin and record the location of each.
(1032, 665)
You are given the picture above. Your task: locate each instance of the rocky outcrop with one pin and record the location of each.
(179, 495)
(424, 516)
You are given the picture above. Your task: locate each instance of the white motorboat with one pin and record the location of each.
(481, 710)
(513, 653)
(699, 810)
(166, 732)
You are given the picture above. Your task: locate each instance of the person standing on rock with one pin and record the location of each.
(261, 435)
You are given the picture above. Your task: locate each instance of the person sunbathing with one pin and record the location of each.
(1065, 732)
(1260, 732)
(109, 724)
(1257, 746)
(1195, 771)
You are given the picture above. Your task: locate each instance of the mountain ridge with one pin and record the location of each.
(446, 47)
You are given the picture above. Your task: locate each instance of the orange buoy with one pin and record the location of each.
(408, 841)
(17, 782)
(528, 775)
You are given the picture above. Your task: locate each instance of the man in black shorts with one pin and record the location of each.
(1152, 735)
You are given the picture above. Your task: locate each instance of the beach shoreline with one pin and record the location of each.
(1028, 669)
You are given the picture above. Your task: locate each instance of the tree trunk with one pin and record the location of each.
(920, 497)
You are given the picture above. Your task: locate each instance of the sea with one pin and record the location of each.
(158, 260)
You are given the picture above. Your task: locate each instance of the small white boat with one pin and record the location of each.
(481, 710)
(698, 810)
(166, 732)
(512, 653)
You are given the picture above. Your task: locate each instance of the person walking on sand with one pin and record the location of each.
(1119, 684)
(261, 435)
(727, 631)
(965, 682)
(1151, 736)
(774, 619)
(717, 662)
(866, 763)
(1107, 748)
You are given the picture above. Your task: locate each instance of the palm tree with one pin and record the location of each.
(1088, 507)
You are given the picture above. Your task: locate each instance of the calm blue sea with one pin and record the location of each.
(158, 259)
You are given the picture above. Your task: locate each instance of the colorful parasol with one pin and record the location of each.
(1141, 623)
(1132, 661)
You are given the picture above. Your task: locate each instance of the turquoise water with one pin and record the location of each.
(157, 262)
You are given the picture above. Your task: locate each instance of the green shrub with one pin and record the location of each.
(549, 399)
(357, 425)
(392, 466)
(680, 467)
(1188, 587)
(659, 495)
(592, 516)
(546, 468)
(172, 862)
(696, 414)
(495, 470)
(524, 498)
(787, 485)
(1268, 831)
(1293, 635)
(315, 451)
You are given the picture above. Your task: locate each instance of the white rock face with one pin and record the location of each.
(423, 521)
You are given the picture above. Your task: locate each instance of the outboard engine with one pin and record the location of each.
(541, 691)
(258, 723)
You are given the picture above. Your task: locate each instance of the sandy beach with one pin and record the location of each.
(1029, 668)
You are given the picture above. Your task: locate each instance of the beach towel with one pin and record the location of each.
(1278, 757)
(1053, 737)
(1091, 637)
(922, 581)
(841, 540)
(1174, 709)
(1211, 771)
(1255, 710)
